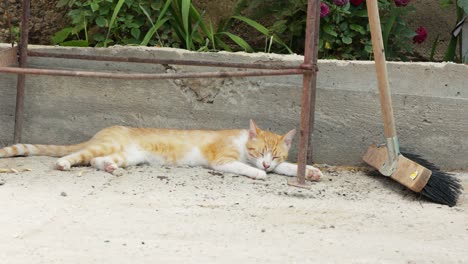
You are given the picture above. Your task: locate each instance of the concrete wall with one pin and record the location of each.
(430, 103)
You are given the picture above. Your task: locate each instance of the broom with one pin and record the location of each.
(421, 176)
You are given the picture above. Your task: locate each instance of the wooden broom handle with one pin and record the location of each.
(381, 69)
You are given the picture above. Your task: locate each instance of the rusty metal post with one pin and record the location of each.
(308, 92)
(23, 52)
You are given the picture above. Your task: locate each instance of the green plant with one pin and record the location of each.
(344, 33)
(98, 23)
(174, 23)
(396, 34)
(14, 34)
(344, 30)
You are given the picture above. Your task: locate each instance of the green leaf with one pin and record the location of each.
(463, 4)
(280, 42)
(346, 7)
(135, 32)
(143, 9)
(239, 41)
(114, 15)
(347, 40)
(164, 10)
(98, 37)
(101, 21)
(407, 33)
(197, 17)
(211, 36)
(329, 29)
(358, 28)
(260, 28)
(185, 18)
(387, 28)
(343, 26)
(451, 50)
(156, 5)
(224, 45)
(94, 6)
(61, 36)
(434, 47)
(445, 3)
(368, 49)
(360, 13)
(152, 31)
(104, 11)
(62, 3)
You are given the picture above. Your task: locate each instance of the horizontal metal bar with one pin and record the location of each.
(9, 57)
(163, 61)
(143, 76)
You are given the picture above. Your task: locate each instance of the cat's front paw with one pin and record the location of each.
(313, 174)
(260, 175)
(63, 165)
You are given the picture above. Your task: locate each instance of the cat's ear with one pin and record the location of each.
(253, 130)
(288, 137)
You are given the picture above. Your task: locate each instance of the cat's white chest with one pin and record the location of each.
(240, 142)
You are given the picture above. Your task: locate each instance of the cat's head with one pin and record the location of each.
(265, 149)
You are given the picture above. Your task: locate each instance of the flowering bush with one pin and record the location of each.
(344, 27)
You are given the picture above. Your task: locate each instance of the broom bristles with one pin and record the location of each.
(442, 187)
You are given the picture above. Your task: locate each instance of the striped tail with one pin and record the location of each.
(39, 150)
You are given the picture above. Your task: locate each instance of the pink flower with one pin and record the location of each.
(421, 35)
(340, 2)
(401, 2)
(356, 2)
(324, 10)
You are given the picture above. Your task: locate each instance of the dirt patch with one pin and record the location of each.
(182, 215)
(46, 20)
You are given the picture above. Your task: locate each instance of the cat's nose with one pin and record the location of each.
(266, 166)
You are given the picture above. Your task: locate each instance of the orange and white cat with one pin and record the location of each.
(252, 152)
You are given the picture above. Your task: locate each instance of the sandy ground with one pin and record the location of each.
(187, 215)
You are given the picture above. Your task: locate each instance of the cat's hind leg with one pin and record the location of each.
(108, 163)
(117, 160)
(83, 157)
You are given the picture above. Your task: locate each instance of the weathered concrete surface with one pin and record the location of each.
(430, 102)
(189, 215)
